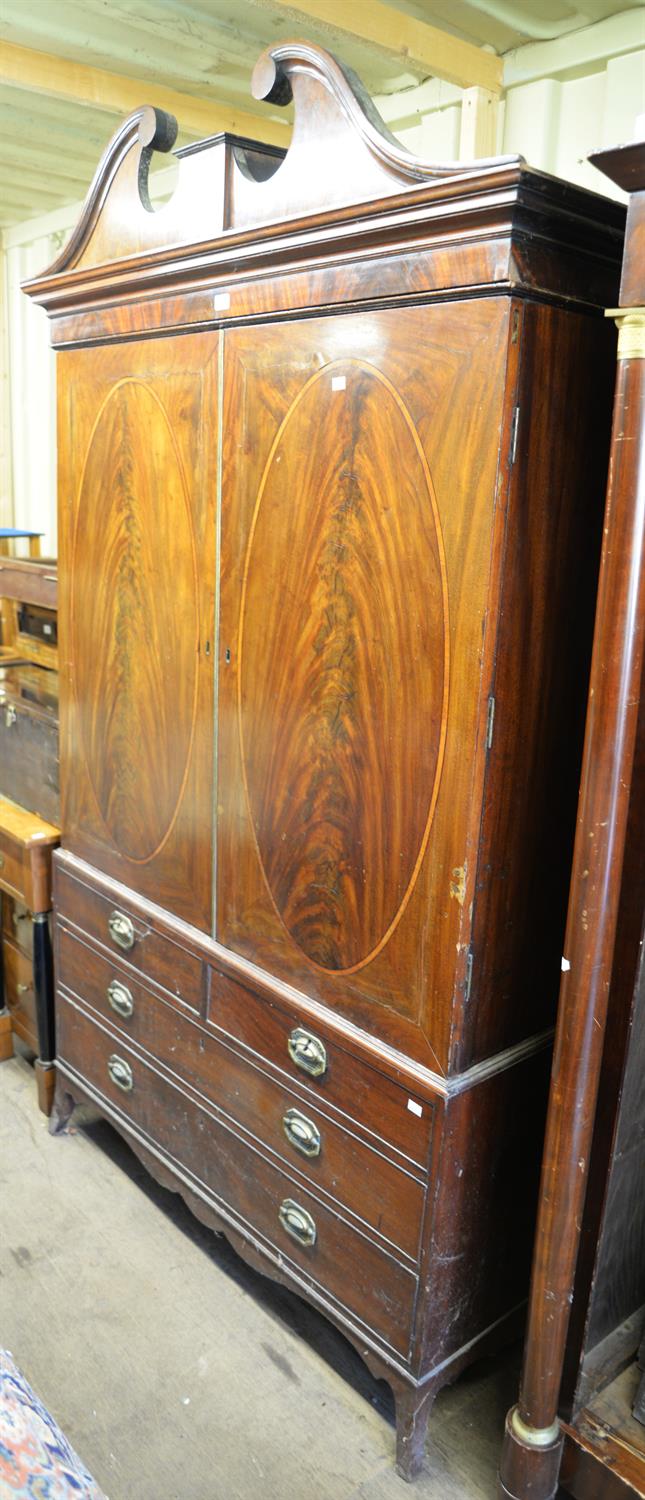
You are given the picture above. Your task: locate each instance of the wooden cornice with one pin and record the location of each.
(346, 188)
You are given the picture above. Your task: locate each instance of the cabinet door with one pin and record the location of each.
(137, 456)
(360, 465)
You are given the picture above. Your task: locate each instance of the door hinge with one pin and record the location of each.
(490, 721)
(514, 431)
(469, 977)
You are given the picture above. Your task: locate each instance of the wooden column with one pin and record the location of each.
(533, 1443)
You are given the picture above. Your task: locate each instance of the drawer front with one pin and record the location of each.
(328, 1157)
(312, 1238)
(19, 992)
(17, 925)
(14, 869)
(359, 1091)
(131, 940)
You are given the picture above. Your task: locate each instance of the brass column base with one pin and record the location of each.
(530, 1463)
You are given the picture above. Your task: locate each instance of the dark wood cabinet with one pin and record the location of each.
(333, 446)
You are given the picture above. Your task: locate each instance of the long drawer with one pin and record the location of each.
(268, 1203)
(296, 1047)
(340, 1162)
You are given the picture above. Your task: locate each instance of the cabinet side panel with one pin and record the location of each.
(552, 549)
(479, 1236)
(137, 532)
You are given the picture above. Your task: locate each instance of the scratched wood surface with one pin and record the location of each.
(137, 536)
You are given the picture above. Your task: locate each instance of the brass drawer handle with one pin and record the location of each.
(308, 1052)
(297, 1222)
(121, 1073)
(121, 930)
(120, 998)
(301, 1132)
(22, 988)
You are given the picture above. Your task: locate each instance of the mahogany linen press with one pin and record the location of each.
(333, 433)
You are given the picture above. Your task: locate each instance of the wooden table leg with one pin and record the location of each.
(45, 1017)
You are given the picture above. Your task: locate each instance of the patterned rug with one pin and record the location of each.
(36, 1460)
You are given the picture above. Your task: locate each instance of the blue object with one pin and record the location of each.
(15, 531)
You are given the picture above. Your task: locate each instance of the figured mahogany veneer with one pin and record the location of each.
(326, 592)
(135, 608)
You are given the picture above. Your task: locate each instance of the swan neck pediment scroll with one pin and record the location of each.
(341, 154)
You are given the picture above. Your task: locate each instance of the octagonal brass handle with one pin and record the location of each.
(297, 1222)
(121, 1073)
(301, 1132)
(121, 930)
(307, 1052)
(120, 998)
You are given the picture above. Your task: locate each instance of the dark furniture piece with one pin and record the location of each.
(333, 438)
(26, 976)
(29, 757)
(28, 601)
(29, 800)
(589, 1266)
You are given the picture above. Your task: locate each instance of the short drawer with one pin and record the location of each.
(355, 1088)
(15, 873)
(311, 1238)
(17, 925)
(132, 940)
(19, 992)
(330, 1158)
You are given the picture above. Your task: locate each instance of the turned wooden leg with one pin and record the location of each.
(413, 1407)
(45, 1085)
(62, 1108)
(6, 1036)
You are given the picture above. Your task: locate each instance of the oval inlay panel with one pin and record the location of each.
(134, 591)
(343, 668)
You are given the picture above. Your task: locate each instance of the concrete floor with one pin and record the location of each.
(175, 1371)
